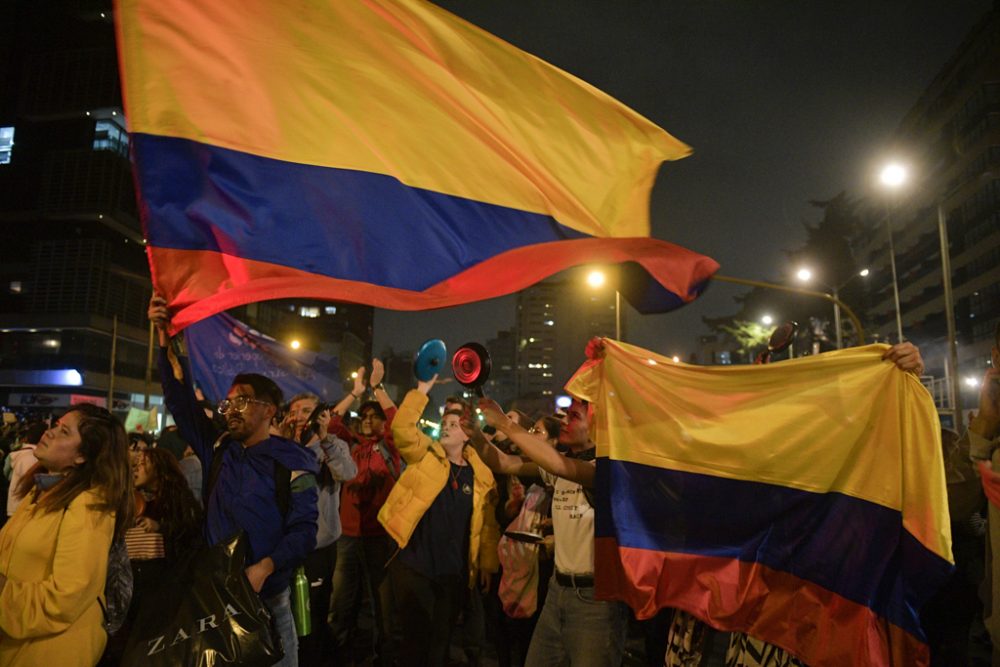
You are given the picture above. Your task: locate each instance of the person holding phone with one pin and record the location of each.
(309, 419)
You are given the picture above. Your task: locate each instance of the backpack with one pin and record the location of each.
(117, 587)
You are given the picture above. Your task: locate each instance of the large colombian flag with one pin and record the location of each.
(801, 502)
(377, 151)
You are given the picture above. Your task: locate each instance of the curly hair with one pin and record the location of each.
(105, 470)
(179, 513)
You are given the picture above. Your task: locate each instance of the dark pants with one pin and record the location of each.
(427, 611)
(361, 570)
(319, 567)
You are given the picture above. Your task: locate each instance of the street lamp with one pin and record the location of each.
(893, 176)
(295, 344)
(805, 275)
(767, 320)
(596, 279)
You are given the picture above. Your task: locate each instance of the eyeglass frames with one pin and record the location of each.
(240, 404)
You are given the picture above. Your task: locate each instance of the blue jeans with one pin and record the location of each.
(281, 608)
(574, 626)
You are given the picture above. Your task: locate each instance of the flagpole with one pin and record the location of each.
(149, 366)
(111, 370)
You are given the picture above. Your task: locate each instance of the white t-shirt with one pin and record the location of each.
(572, 525)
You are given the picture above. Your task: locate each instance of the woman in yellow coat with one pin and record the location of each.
(441, 514)
(54, 550)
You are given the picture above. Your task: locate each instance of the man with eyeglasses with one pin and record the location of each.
(242, 486)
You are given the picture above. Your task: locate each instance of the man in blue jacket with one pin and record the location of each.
(243, 490)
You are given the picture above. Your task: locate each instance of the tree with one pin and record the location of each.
(828, 251)
(748, 335)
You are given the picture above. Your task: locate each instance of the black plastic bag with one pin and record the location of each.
(205, 615)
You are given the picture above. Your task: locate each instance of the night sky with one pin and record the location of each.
(782, 102)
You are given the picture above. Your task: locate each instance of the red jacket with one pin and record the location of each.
(378, 468)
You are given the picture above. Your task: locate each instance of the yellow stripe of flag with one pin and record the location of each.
(396, 87)
(842, 422)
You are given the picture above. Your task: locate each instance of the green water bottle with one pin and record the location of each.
(300, 602)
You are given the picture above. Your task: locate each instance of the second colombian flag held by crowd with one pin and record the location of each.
(380, 151)
(801, 502)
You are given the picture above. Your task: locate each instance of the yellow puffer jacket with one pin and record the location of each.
(425, 476)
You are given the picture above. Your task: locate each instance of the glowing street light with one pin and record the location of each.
(804, 274)
(893, 175)
(295, 344)
(972, 382)
(767, 320)
(596, 278)
(864, 273)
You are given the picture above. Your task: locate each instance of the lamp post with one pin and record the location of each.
(949, 312)
(893, 176)
(805, 275)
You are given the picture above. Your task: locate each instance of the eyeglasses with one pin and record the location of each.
(240, 404)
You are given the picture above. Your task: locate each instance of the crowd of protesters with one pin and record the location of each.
(418, 550)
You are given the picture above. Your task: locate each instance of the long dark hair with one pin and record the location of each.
(105, 470)
(178, 510)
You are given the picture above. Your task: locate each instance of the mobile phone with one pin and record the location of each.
(312, 424)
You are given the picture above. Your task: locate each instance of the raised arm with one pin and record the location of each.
(410, 441)
(178, 392)
(498, 461)
(536, 448)
(381, 395)
(341, 408)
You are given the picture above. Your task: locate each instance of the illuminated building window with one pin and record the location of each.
(330, 310)
(110, 136)
(6, 144)
(309, 311)
(15, 287)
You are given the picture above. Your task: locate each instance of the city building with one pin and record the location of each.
(554, 321)
(950, 143)
(74, 267)
(502, 385)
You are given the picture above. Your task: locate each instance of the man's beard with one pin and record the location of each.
(237, 428)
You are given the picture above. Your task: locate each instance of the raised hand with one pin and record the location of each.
(378, 372)
(425, 386)
(359, 382)
(906, 356)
